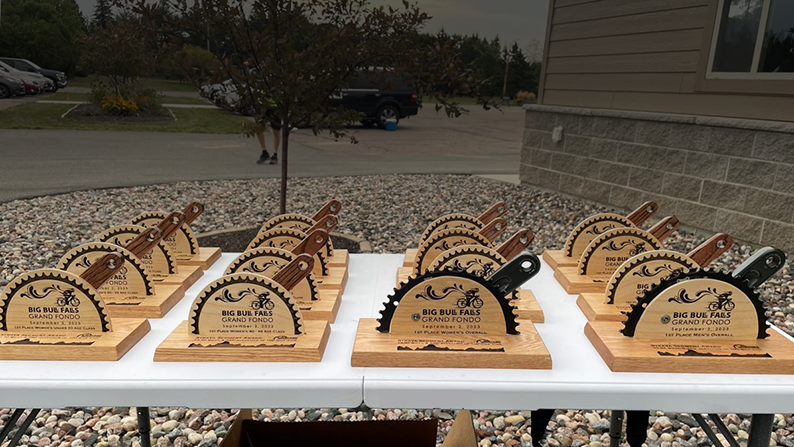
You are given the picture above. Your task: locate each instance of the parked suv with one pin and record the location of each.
(379, 96)
(34, 82)
(58, 77)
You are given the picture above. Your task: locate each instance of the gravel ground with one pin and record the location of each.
(388, 211)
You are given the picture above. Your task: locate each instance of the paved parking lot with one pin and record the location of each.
(41, 162)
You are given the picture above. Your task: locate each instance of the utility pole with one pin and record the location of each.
(507, 70)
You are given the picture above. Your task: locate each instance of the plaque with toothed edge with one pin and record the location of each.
(700, 321)
(454, 319)
(607, 252)
(51, 314)
(183, 244)
(159, 263)
(295, 222)
(443, 241)
(246, 317)
(287, 239)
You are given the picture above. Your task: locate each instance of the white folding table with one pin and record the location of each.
(579, 378)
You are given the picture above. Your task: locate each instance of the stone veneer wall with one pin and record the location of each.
(717, 174)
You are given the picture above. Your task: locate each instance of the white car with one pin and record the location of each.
(32, 78)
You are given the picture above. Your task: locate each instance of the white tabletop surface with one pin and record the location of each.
(136, 380)
(579, 378)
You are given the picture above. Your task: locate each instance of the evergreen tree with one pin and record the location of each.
(103, 14)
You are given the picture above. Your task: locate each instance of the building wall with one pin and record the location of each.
(647, 55)
(717, 174)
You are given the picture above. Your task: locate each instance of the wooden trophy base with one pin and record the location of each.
(376, 349)
(528, 308)
(156, 306)
(410, 257)
(324, 309)
(403, 273)
(573, 283)
(774, 355)
(186, 276)
(336, 279)
(181, 346)
(594, 306)
(204, 258)
(556, 259)
(107, 346)
(341, 258)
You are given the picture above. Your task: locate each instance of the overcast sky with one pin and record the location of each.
(512, 20)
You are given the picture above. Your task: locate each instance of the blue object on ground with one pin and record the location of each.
(391, 125)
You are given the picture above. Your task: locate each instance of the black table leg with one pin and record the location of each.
(616, 428)
(144, 427)
(760, 430)
(24, 427)
(10, 424)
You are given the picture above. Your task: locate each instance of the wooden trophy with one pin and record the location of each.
(314, 303)
(456, 220)
(641, 272)
(609, 251)
(51, 314)
(443, 240)
(327, 276)
(183, 243)
(335, 257)
(131, 292)
(700, 321)
(484, 261)
(245, 317)
(160, 263)
(592, 227)
(454, 319)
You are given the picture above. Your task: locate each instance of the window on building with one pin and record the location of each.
(753, 39)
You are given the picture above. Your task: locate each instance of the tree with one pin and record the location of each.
(48, 32)
(286, 57)
(119, 53)
(103, 14)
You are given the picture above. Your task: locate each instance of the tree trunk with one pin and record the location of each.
(284, 158)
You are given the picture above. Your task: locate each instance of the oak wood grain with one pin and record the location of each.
(313, 243)
(192, 212)
(327, 223)
(144, 242)
(494, 229)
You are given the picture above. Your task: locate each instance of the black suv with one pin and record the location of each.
(58, 77)
(379, 96)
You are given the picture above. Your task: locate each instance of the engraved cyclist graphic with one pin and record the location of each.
(67, 297)
(470, 298)
(261, 300)
(722, 301)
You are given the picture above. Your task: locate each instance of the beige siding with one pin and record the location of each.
(642, 55)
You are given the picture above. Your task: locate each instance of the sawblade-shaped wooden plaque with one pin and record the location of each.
(249, 317)
(314, 304)
(452, 318)
(130, 292)
(607, 252)
(456, 237)
(51, 314)
(182, 245)
(159, 264)
(287, 239)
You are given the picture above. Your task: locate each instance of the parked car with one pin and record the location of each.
(379, 96)
(58, 78)
(36, 79)
(10, 86)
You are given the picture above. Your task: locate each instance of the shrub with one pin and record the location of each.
(150, 101)
(523, 97)
(119, 105)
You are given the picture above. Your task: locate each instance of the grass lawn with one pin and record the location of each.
(166, 100)
(162, 85)
(48, 116)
